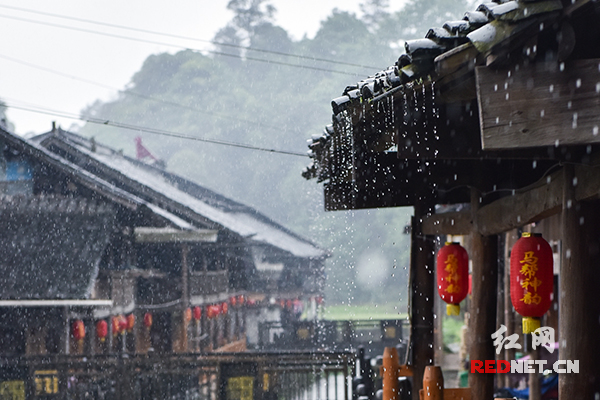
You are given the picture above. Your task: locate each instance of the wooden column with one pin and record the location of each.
(484, 251)
(579, 308)
(422, 294)
(502, 266)
(509, 315)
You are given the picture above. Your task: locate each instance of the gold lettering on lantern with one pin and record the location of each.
(530, 283)
(452, 269)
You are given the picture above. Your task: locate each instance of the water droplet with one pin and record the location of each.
(581, 220)
(578, 83)
(495, 87)
(507, 96)
(562, 66)
(595, 130)
(542, 113)
(575, 181)
(534, 164)
(574, 123)
(568, 253)
(569, 104)
(556, 143)
(551, 88)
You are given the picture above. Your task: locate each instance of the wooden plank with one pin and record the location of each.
(540, 105)
(450, 223)
(171, 235)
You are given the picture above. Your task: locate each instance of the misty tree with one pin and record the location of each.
(249, 16)
(418, 16)
(374, 13)
(4, 121)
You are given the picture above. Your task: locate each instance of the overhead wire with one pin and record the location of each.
(161, 132)
(249, 48)
(135, 94)
(283, 63)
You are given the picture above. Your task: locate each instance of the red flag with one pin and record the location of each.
(141, 151)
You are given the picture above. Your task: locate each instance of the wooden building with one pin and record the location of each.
(498, 113)
(101, 253)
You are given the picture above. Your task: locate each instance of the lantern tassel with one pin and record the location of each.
(530, 324)
(453, 309)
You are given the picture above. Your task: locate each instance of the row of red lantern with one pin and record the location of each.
(122, 324)
(290, 304)
(531, 278)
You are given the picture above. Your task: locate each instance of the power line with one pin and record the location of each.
(179, 46)
(132, 93)
(155, 131)
(280, 53)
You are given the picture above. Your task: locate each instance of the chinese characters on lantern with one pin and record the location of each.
(543, 336)
(453, 277)
(529, 268)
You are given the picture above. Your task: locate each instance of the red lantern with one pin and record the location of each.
(101, 330)
(241, 299)
(233, 301)
(453, 276)
(531, 279)
(115, 325)
(187, 315)
(78, 329)
(224, 308)
(130, 323)
(212, 311)
(197, 313)
(148, 320)
(119, 324)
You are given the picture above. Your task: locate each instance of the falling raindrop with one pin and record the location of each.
(578, 83)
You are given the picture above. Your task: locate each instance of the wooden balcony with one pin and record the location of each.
(208, 282)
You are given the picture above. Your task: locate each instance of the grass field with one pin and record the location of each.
(374, 311)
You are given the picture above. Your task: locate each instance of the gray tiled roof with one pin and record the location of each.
(50, 246)
(489, 36)
(192, 202)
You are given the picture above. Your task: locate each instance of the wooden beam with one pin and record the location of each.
(537, 203)
(449, 223)
(543, 104)
(171, 235)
